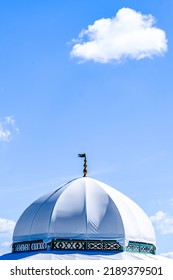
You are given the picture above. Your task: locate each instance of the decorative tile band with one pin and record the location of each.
(82, 245)
(29, 246)
(86, 245)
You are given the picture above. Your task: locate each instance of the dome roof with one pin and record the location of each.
(84, 208)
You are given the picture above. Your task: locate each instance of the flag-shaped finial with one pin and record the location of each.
(85, 165)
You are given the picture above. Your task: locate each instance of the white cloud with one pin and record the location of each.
(5, 247)
(171, 201)
(6, 227)
(167, 255)
(127, 35)
(7, 128)
(5, 244)
(5, 134)
(6, 231)
(163, 222)
(10, 120)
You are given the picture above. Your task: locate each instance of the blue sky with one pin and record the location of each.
(106, 91)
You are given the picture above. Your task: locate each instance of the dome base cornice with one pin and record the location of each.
(82, 245)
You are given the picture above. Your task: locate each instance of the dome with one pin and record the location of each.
(84, 209)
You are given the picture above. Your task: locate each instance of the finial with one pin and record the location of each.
(85, 165)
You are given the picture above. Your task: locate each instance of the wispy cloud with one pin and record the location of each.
(167, 255)
(171, 201)
(6, 231)
(6, 226)
(163, 222)
(8, 128)
(129, 34)
(5, 244)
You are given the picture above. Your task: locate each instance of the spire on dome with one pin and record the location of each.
(85, 165)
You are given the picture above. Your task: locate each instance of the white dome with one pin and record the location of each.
(85, 209)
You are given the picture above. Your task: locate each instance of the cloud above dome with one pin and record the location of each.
(7, 128)
(129, 34)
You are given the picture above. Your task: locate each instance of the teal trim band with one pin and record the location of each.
(140, 247)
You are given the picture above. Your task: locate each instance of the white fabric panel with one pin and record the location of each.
(28, 221)
(138, 226)
(104, 221)
(42, 219)
(68, 218)
(23, 226)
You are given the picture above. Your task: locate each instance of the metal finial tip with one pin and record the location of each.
(82, 155)
(85, 166)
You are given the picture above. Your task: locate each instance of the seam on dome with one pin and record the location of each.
(131, 211)
(85, 204)
(115, 207)
(85, 207)
(65, 185)
(56, 203)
